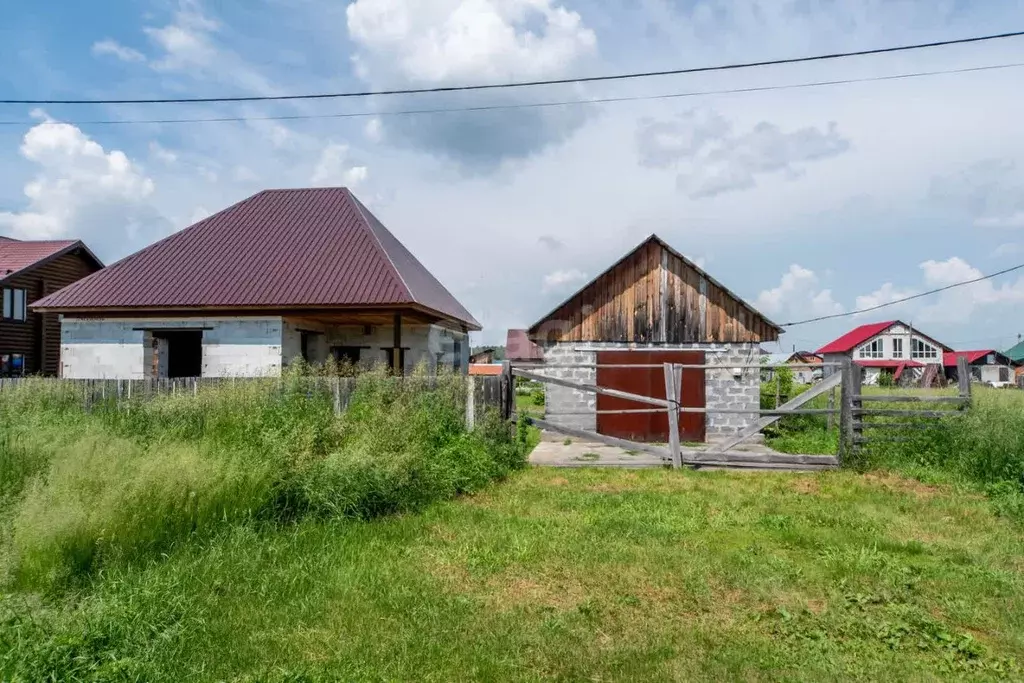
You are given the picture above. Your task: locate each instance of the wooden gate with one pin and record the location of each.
(649, 380)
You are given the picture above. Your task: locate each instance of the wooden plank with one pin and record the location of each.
(672, 378)
(876, 412)
(589, 388)
(600, 438)
(963, 376)
(763, 458)
(911, 399)
(803, 398)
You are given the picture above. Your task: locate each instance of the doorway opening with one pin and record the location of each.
(179, 353)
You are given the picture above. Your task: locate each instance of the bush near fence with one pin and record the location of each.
(129, 479)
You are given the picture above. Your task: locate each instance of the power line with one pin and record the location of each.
(525, 84)
(523, 105)
(904, 299)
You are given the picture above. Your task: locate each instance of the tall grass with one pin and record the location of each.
(131, 480)
(983, 445)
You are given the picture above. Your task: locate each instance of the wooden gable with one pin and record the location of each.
(654, 295)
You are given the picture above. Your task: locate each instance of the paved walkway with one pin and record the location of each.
(555, 450)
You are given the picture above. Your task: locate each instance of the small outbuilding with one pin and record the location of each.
(284, 274)
(654, 306)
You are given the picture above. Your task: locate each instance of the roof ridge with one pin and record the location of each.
(380, 245)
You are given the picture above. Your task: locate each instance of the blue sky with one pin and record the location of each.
(806, 202)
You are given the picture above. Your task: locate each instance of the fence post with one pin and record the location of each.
(672, 397)
(846, 411)
(508, 390)
(963, 377)
(337, 395)
(470, 402)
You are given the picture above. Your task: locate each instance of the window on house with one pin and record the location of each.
(15, 304)
(1004, 374)
(457, 351)
(920, 349)
(389, 358)
(12, 365)
(346, 354)
(897, 348)
(872, 350)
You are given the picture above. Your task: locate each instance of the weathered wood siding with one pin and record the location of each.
(38, 337)
(654, 296)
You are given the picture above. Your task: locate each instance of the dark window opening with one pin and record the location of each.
(12, 365)
(1004, 374)
(15, 305)
(389, 355)
(184, 353)
(346, 354)
(457, 364)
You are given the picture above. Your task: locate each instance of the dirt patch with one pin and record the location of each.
(558, 481)
(816, 606)
(806, 485)
(505, 591)
(896, 483)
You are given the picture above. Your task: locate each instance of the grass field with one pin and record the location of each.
(567, 575)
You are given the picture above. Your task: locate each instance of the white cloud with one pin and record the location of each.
(990, 192)
(560, 279)
(80, 190)
(333, 168)
(440, 42)
(712, 160)
(885, 294)
(115, 49)
(1011, 220)
(446, 41)
(162, 154)
(798, 294)
(374, 130)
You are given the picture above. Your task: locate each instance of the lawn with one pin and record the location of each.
(566, 575)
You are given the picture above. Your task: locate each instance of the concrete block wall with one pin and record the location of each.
(117, 349)
(723, 388)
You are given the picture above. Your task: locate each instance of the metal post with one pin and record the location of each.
(673, 415)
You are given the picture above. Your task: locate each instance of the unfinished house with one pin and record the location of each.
(654, 306)
(284, 274)
(29, 270)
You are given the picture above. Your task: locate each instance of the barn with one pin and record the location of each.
(654, 306)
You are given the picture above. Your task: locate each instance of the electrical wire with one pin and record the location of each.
(525, 84)
(522, 105)
(904, 299)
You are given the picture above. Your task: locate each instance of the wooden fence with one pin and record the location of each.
(482, 392)
(856, 414)
(904, 414)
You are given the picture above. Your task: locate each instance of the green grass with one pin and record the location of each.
(573, 575)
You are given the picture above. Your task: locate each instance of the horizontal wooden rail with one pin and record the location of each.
(593, 389)
(874, 412)
(881, 439)
(874, 398)
(600, 438)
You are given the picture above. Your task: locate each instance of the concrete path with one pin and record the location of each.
(555, 450)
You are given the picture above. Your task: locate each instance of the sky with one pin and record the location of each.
(804, 201)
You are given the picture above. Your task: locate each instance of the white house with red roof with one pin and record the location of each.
(986, 365)
(891, 346)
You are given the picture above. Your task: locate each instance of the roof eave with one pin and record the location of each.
(77, 244)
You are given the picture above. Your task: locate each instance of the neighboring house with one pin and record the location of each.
(654, 306)
(891, 346)
(809, 374)
(1016, 353)
(29, 270)
(485, 369)
(519, 349)
(801, 375)
(284, 274)
(482, 356)
(988, 366)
